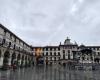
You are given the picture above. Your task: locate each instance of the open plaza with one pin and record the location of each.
(66, 61)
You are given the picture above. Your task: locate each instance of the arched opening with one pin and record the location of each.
(29, 62)
(19, 60)
(6, 60)
(13, 60)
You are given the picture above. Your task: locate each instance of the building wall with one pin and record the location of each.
(13, 44)
(65, 52)
(52, 53)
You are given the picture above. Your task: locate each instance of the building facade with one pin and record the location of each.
(13, 50)
(69, 52)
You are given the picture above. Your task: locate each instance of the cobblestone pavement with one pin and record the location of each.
(49, 73)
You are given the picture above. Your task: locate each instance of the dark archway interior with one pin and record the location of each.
(97, 60)
(26, 58)
(18, 57)
(26, 61)
(6, 58)
(22, 61)
(23, 57)
(6, 54)
(13, 58)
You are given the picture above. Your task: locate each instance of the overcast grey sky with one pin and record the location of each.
(47, 22)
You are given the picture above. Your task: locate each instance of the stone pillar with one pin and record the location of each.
(9, 60)
(71, 55)
(1, 60)
(24, 62)
(93, 58)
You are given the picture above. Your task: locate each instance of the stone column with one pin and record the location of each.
(1, 60)
(23, 62)
(9, 60)
(93, 58)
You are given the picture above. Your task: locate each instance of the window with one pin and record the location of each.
(98, 53)
(58, 53)
(50, 58)
(93, 48)
(46, 53)
(43, 54)
(46, 58)
(68, 56)
(59, 58)
(9, 44)
(87, 58)
(63, 51)
(55, 58)
(46, 49)
(54, 49)
(50, 53)
(14, 46)
(68, 51)
(63, 56)
(58, 49)
(89, 48)
(55, 54)
(3, 41)
(19, 48)
(50, 49)
(97, 48)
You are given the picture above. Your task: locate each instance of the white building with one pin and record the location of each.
(13, 49)
(70, 52)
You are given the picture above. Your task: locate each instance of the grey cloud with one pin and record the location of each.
(41, 22)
